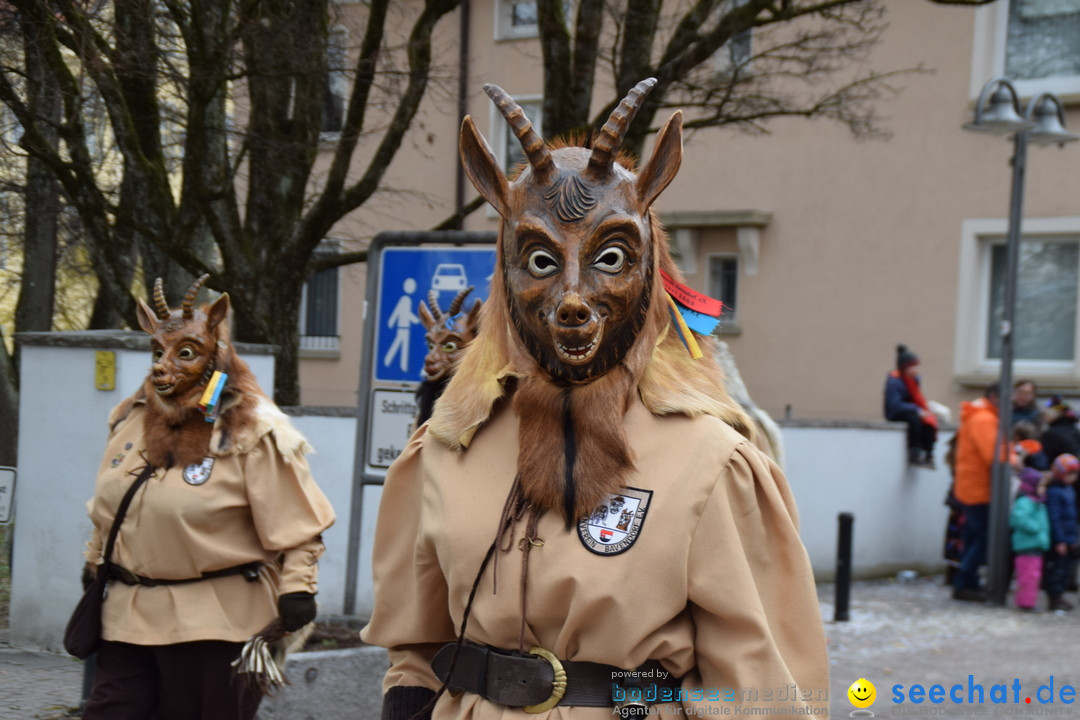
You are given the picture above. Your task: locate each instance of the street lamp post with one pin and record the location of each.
(1043, 123)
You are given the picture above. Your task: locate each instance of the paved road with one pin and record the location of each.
(899, 634)
(37, 684)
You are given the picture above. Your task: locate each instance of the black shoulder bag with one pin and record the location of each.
(83, 633)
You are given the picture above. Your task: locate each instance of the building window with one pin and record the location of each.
(336, 82)
(509, 150)
(517, 19)
(723, 285)
(319, 312)
(1036, 43)
(1043, 39)
(1046, 298)
(734, 56)
(1046, 335)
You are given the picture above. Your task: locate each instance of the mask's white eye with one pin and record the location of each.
(158, 354)
(611, 260)
(430, 346)
(449, 347)
(542, 263)
(186, 354)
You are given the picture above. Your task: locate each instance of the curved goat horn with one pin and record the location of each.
(607, 144)
(160, 305)
(455, 304)
(433, 303)
(188, 306)
(535, 150)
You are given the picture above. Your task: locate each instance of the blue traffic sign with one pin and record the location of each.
(406, 275)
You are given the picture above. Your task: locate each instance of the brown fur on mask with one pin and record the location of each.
(188, 344)
(573, 448)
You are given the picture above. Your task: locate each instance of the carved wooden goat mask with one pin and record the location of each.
(447, 334)
(184, 342)
(577, 246)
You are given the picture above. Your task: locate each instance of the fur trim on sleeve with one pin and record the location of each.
(120, 413)
(245, 419)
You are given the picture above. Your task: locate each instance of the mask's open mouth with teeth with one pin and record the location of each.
(578, 351)
(165, 389)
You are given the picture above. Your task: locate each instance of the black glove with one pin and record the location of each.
(404, 702)
(297, 609)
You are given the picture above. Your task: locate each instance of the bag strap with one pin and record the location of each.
(122, 511)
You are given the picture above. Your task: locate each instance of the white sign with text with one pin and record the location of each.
(7, 494)
(389, 424)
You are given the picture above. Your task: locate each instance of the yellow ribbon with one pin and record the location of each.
(684, 330)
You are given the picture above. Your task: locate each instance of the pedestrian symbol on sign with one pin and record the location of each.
(402, 319)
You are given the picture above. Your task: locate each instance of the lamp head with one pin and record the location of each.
(998, 110)
(1048, 118)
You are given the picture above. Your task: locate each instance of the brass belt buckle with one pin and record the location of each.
(631, 708)
(558, 687)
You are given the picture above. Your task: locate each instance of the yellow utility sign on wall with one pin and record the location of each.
(105, 370)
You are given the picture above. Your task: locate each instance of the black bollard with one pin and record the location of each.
(843, 567)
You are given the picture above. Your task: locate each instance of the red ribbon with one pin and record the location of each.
(690, 298)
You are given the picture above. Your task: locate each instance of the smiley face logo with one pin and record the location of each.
(862, 693)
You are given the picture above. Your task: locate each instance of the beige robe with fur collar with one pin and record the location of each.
(717, 585)
(258, 503)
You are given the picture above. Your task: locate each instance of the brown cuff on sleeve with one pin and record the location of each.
(402, 703)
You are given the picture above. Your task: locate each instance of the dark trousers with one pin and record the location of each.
(920, 436)
(1059, 570)
(976, 534)
(186, 681)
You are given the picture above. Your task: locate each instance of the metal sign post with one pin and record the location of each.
(403, 267)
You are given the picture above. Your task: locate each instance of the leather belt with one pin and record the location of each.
(532, 681)
(250, 571)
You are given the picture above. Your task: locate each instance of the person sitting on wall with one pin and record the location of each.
(904, 402)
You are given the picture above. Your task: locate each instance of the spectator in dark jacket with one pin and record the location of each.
(1024, 404)
(904, 402)
(1061, 435)
(1061, 507)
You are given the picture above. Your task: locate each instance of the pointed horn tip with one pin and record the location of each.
(188, 304)
(161, 307)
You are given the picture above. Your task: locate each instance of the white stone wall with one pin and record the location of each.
(899, 510)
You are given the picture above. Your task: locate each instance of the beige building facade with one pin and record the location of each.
(829, 250)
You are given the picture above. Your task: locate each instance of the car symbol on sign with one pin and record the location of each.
(449, 276)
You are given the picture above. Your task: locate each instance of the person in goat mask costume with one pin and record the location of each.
(584, 525)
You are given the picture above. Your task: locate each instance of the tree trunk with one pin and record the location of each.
(42, 199)
(9, 408)
(273, 321)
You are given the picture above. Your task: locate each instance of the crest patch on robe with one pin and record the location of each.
(614, 526)
(199, 473)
